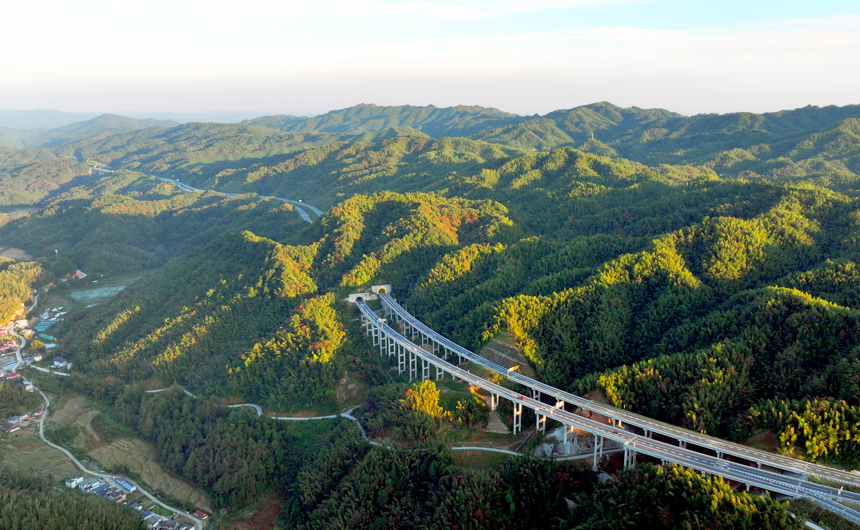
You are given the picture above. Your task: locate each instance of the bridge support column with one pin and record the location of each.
(541, 423)
(518, 417)
(648, 433)
(720, 455)
(494, 401)
(423, 339)
(425, 369)
(682, 444)
(440, 373)
(566, 433)
(375, 335)
(392, 348)
(401, 359)
(413, 366)
(435, 348)
(383, 344)
(598, 446)
(629, 458)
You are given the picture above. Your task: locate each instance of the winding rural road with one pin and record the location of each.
(198, 523)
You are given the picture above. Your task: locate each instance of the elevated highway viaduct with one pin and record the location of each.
(422, 353)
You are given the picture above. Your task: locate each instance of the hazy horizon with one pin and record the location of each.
(305, 58)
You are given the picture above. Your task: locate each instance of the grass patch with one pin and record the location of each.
(110, 430)
(155, 508)
(812, 512)
(479, 459)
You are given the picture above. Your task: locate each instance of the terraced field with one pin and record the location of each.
(141, 458)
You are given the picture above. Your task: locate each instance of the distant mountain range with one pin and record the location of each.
(41, 118)
(807, 143)
(79, 129)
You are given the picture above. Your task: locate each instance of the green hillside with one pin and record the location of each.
(436, 122)
(698, 270)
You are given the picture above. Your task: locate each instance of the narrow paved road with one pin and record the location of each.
(198, 523)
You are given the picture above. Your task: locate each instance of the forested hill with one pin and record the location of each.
(437, 122)
(724, 305)
(820, 145)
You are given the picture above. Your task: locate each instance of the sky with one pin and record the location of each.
(527, 57)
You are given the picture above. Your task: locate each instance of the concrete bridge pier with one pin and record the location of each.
(494, 401)
(518, 417)
(383, 344)
(413, 366)
(392, 348)
(401, 359)
(541, 423)
(598, 451)
(629, 457)
(374, 333)
(440, 374)
(435, 348)
(425, 369)
(682, 444)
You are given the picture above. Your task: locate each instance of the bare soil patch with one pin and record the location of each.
(261, 518)
(15, 253)
(766, 441)
(141, 458)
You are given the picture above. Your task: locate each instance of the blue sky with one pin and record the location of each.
(304, 57)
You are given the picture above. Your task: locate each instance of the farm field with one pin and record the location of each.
(28, 453)
(141, 458)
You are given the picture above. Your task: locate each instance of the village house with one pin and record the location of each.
(10, 427)
(72, 482)
(128, 487)
(59, 362)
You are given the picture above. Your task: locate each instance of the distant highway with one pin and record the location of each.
(297, 204)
